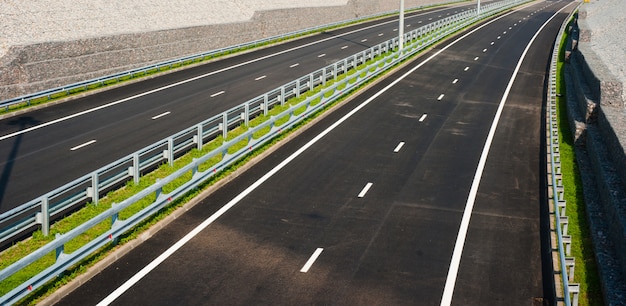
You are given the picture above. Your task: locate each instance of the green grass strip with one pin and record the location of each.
(586, 270)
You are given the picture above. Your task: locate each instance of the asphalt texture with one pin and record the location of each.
(390, 243)
(38, 161)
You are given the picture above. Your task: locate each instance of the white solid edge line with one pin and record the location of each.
(365, 190)
(152, 265)
(161, 115)
(423, 117)
(448, 291)
(398, 147)
(311, 260)
(33, 128)
(83, 145)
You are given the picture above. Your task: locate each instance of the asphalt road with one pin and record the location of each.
(369, 205)
(35, 148)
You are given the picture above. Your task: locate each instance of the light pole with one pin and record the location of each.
(401, 26)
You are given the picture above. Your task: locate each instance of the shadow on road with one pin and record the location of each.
(22, 122)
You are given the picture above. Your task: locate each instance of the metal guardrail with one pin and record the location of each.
(556, 189)
(117, 77)
(88, 188)
(363, 63)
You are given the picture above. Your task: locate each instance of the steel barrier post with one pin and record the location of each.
(136, 170)
(170, 151)
(199, 140)
(45, 216)
(224, 126)
(95, 192)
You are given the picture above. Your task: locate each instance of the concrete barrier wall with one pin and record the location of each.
(38, 66)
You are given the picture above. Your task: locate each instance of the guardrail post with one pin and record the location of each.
(44, 216)
(311, 81)
(224, 125)
(281, 98)
(574, 289)
(94, 191)
(136, 169)
(170, 151)
(297, 88)
(246, 113)
(199, 138)
(564, 220)
(265, 105)
(567, 240)
(60, 249)
(570, 262)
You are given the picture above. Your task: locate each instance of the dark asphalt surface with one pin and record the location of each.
(39, 161)
(393, 246)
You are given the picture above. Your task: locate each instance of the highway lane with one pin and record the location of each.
(37, 161)
(369, 213)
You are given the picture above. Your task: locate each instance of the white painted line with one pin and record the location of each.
(260, 78)
(364, 40)
(430, 19)
(398, 147)
(395, 30)
(499, 37)
(510, 28)
(217, 94)
(344, 47)
(493, 42)
(504, 32)
(440, 97)
(24, 131)
(466, 68)
(365, 190)
(311, 260)
(423, 117)
(484, 50)
(180, 243)
(419, 21)
(83, 145)
(294, 65)
(515, 24)
(448, 291)
(455, 81)
(322, 55)
(161, 115)
(476, 58)
(381, 34)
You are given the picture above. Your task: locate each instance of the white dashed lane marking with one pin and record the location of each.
(294, 65)
(311, 260)
(83, 145)
(398, 147)
(365, 190)
(161, 115)
(260, 78)
(217, 94)
(423, 117)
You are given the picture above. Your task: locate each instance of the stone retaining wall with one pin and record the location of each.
(597, 117)
(35, 67)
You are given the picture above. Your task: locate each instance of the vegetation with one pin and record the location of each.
(586, 271)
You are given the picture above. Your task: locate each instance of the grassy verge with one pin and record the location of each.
(586, 271)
